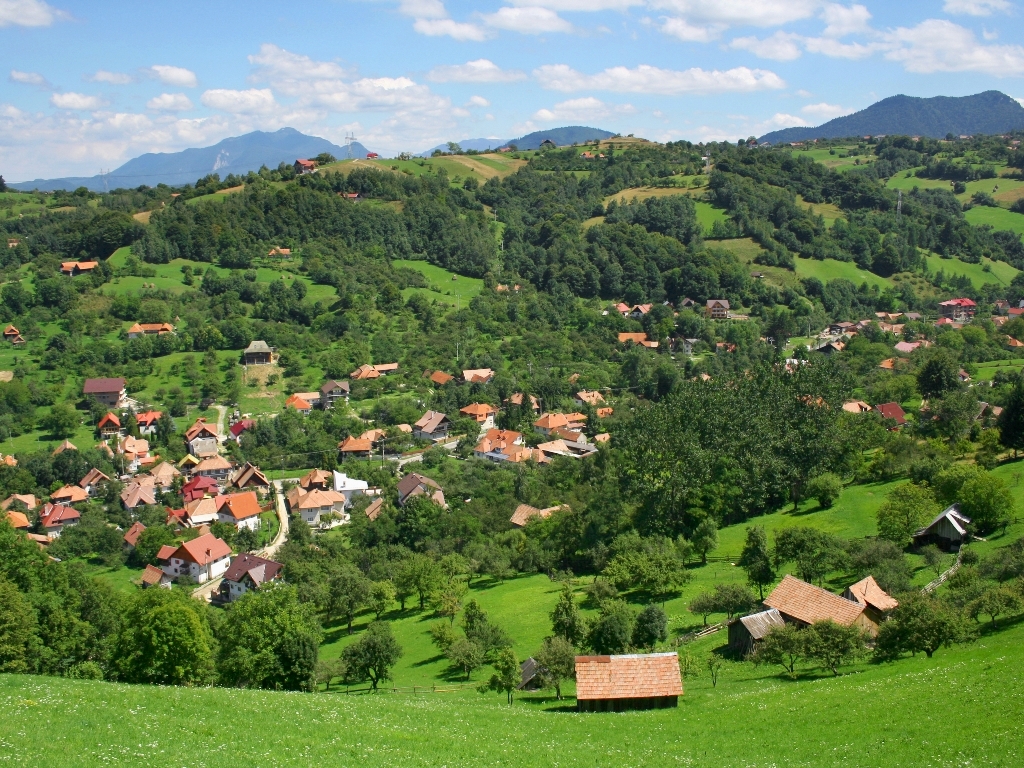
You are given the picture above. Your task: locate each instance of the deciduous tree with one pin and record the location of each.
(373, 655)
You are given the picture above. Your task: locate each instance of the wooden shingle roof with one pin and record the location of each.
(629, 676)
(808, 603)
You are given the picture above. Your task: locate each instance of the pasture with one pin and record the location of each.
(997, 218)
(757, 719)
(445, 287)
(998, 272)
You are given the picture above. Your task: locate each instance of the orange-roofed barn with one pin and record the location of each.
(803, 604)
(629, 681)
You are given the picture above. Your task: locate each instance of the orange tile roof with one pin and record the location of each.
(441, 378)
(636, 338)
(297, 403)
(479, 411)
(629, 676)
(867, 592)
(131, 538)
(203, 550)
(354, 445)
(551, 421)
(808, 603)
(240, 506)
(69, 494)
(152, 575)
(17, 519)
(589, 397)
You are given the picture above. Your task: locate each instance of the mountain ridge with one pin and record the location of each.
(989, 112)
(237, 154)
(569, 134)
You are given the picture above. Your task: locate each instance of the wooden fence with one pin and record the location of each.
(945, 575)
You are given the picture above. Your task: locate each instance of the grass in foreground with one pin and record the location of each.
(872, 715)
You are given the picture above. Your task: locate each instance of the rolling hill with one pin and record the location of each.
(570, 134)
(238, 154)
(988, 112)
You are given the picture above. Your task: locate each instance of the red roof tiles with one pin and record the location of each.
(629, 676)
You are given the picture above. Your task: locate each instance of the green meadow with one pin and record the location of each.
(997, 218)
(998, 272)
(898, 714)
(445, 287)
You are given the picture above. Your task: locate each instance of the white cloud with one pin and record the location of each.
(937, 45)
(692, 33)
(423, 9)
(765, 13)
(587, 108)
(478, 101)
(825, 111)
(845, 20)
(580, 5)
(529, 20)
(781, 120)
(1019, 101)
(73, 100)
(28, 13)
(176, 76)
(30, 78)
(477, 71)
(456, 30)
(170, 102)
(975, 7)
(782, 46)
(828, 46)
(113, 78)
(666, 82)
(251, 101)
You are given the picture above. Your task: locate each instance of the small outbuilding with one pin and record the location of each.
(746, 632)
(947, 530)
(259, 353)
(628, 681)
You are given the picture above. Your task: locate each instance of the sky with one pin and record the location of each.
(89, 85)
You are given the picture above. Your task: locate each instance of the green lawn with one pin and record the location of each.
(834, 161)
(987, 371)
(999, 271)
(997, 218)
(442, 285)
(871, 715)
(707, 215)
(830, 269)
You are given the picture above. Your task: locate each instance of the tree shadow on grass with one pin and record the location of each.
(431, 660)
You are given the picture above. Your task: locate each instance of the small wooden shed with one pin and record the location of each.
(628, 681)
(948, 529)
(746, 632)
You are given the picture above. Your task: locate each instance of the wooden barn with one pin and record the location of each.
(876, 601)
(948, 530)
(801, 603)
(746, 632)
(629, 681)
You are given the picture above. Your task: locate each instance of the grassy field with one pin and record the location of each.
(445, 286)
(479, 167)
(987, 371)
(642, 193)
(830, 269)
(834, 161)
(999, 271)
(828, 211)
(997, 218)
(871, 715)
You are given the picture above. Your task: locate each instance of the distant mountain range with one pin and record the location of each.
(239, 155)
(571, 134)
(988, 112)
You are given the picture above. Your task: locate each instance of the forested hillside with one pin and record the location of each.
(721, 323)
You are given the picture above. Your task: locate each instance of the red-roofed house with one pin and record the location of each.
(56, 517)
(202, 439)
(92, 481)
(109, 426)
(239, 427)
(202, 559)
(958, 310)
(131, 537)
(432, 425)
(629, 681)
(72, 268)
(304, 166)
(477, 376)
(198, 487)
(69, 494)
(482, 413)
(892, 411)
(147, 422)
(299, 405)
(241, 510)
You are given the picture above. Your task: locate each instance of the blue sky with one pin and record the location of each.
(90, 85)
